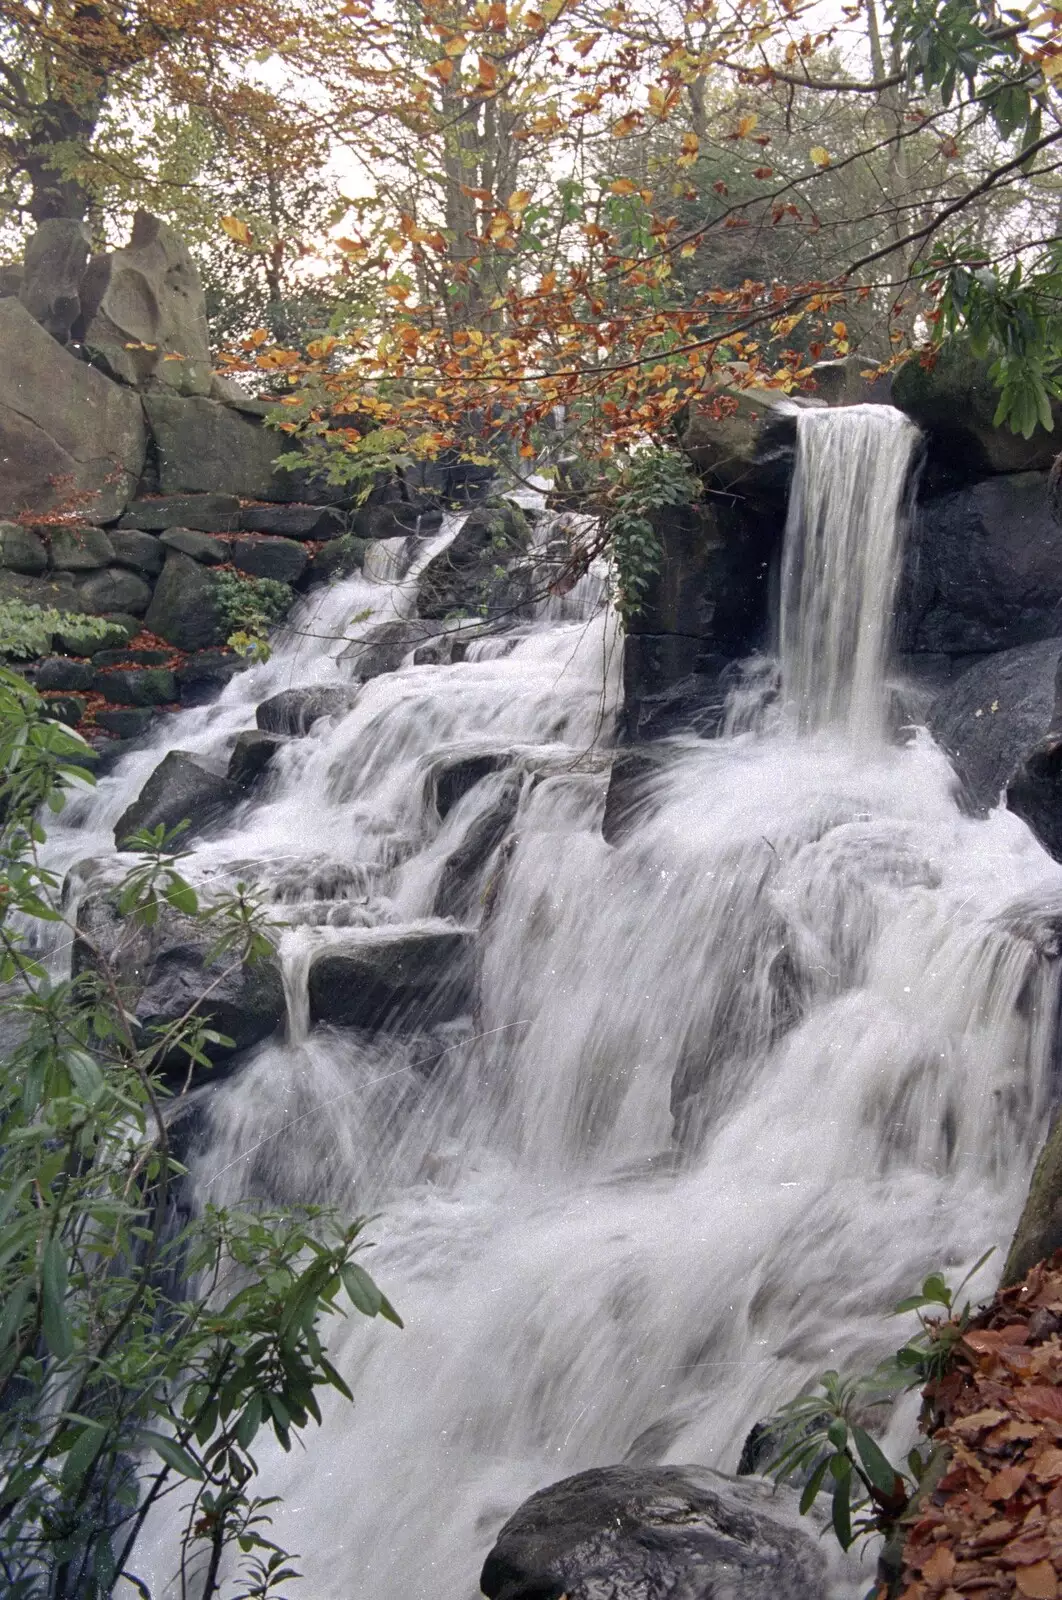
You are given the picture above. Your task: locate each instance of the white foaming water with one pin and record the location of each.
(801, 954)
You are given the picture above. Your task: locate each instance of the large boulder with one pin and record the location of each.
(143, 313)
(484, 570)
(992, 716)
(53, 268)
(293, 521)
(294, 711)
(141, 552)
(164, 971)
(394, 978)
(78, 549)
(463, 871)
(179, 790)
(743, 440)
(184, 608)
(69, 438)
(384, 647)
(954, 401)
(983, 568)
(210, 513)
(22, 550)
(208, 448)
(656, 1533)
(113, 589)
(265, 556)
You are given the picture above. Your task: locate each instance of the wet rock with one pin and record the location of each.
(184, 607)
(454, 776)
(164, 971)
(843, 383)
(68, 708)
(207, 448)
(204, 675)
(463, 871)
(656, 1533)
(955, 402)
(127, 722)
(202, 547)
(114, 589)
(396, 517)
(283, 560)
(483, 571)
(393, 978)
(138, 686)
(210, 513)
(727, 449)
(79, 549)
(1034, 792)
(180, 789)
(293, 521)
(141, 552)
(22, 550)
(143, 314)
(338, 559)
(384, 647)
(65, 430)
(294, 711)
(992, 716)
(60, 672)
(983, 569)
(1039, 1230)
(251, 755)
(53, 267)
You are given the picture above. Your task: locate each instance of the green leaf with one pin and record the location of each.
(54, 1320)
(181, 896)
(879, 1468)
(364, 1295)
(82, 1454)
(813, 1485)
(173, 1454)
(841, 1511)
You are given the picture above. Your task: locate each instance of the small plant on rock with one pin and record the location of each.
(249, 607)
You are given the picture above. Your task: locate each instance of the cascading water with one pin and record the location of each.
(802, 955)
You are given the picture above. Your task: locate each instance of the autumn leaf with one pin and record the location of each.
(940, 1568)
(622, 186)
(691, 147)
(456, 46)
(443, 70)
(519, 200)
(488, 73)
(1039, 1581)
(819, 156)
(625, 125)
(763, 172)
(747, 125)
(237, 229)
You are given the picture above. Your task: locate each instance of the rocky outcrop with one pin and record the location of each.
(391, 978)
(954, 401)
(179, 790)
(251, 755)
(69, 439)
(383, 648)
(54, 265)
(143, 313)
(184, 607)
(204, 447)
(463, 870)
(166, 970)
(484, 571)
(660, 1533)
(207, 513)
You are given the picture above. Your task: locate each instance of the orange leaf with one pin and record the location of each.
(456, 46)
(819, 156)
(1038, 1401)
(1006, 1483)
(443, 70)
(584, 47)
(488, 72)
(763, 172)
(519, 200)
(625, 125)
(747, 125)
(1039, 1582)
(497, 16)
(622, 186)
(237, 229)
(940, 1568)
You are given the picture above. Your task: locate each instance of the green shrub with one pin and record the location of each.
(249, 607)
(26, 630)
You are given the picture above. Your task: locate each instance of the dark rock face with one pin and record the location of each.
(391, 514)
(1034, 792)
(113, 589)
(461, 876)
(338, 559)
(54, 265)
(22, 550)
(251, 755)
(59, 672)
(663, 1533)
(983, 569)
(204, 675)
(184, 607)
(262, 556)
(384, 647)
(296, 710)
(208, 448)
(141, 552)
(414, 977)
(955, 402)
(64, 429)
(163, 971)
(138, 686)
(210, 513)
(481, 571)
(128, 722)
(179, 790)
(202, 547)
(293, 522)
(994, 714)
(454, 776)
(79, 549)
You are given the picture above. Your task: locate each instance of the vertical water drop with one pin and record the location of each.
(841, 561)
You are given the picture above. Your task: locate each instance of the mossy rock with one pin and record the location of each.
(954, 401)
(1039, 1231)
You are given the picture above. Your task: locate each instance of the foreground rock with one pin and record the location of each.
(164, 971)
(294, 711)
(179, 790)
(991, 717)
(383, 648)
(393, 977)
(481, 571)
(657, 1533)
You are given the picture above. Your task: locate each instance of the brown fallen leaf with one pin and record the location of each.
(1048, 1465)
(1039, 1582)
(940, 1567)
(1007, 1482)
(989, 1341)
(968, 1427)
(1037, 1400)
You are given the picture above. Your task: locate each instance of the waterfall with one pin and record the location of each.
(842, 553)
(732, 1087)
